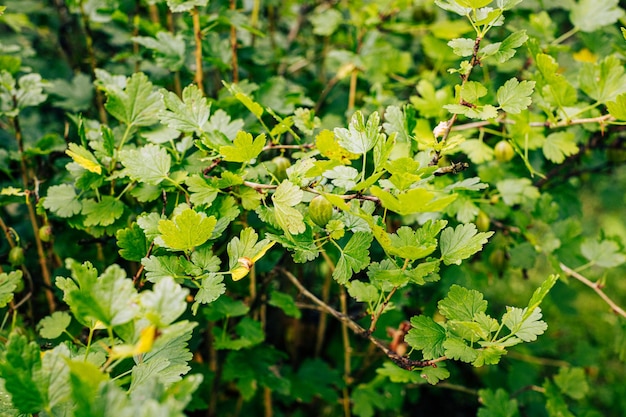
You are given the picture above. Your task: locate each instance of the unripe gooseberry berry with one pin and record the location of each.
(497, 259)
(16, 256)
(320, 210)
(45, 233)
(281, 164)
(482, 221)
(503, 151)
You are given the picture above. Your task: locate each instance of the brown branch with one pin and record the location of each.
(197, 34)
(91, 54)
(594, 286)
(607, 118)
(32, 215)
(233, 46)
(401, 361)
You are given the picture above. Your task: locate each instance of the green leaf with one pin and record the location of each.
(415, 200)
(8, 284)
(603, 81)
(19, 365)
(541, 292)
(186, 230)
(572, 382)
(514, 96)
(244, 149)
(497, 404)
(524, 325)
(160, 267)
(180, 6)
(286, 303)
(427, 336)
(556, 89)
(168, 49)
(471, 91)
(84, 158)
(326, 22)
(605, 253)
(111, 298)
(254, 107)
(165, 302)
(315, 378)
(591, 15)
(558, 145)
(409, 244)
(225, 307)
(62, 200)
(555, 403)
(462, 46)
(168, 359)
(102, 213)
(489, 355)
(508, 46)
(246, 245)
(249, 331)
(212, 287)
(137, 104)
(363, 291)
(617, 108)
(434, 374)
(461, 243)
(85, 378)
(30, 91)
(477, 151)
(149, 164)
(288, 218)
(396, 122)
(132, 243)
(354, 257)
(474, 4)
(343, 177)
(462, 304)
(54, 325)
(360, 136)
(189, 114)
(398, 375)
(453, 6)
(430, 102)
(200, 191)
(517, 191)
(254, 368)
(74, 96)
(456, 348)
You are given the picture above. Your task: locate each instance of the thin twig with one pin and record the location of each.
(401, 361)
(594, 286)
(323, 319)
(380, 311)
(347, 352)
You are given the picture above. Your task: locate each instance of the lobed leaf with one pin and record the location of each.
(461, 243)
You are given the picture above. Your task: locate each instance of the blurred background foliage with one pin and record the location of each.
(336, 57)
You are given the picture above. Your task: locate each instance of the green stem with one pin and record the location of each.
(565, 36)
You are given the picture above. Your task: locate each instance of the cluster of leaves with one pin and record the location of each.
(236, 206)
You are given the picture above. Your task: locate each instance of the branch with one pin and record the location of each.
(594, 286)
(563, 123)
(401, 361)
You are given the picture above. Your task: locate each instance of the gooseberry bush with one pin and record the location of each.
(312, 208)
